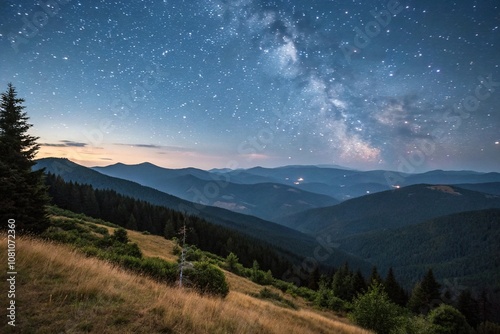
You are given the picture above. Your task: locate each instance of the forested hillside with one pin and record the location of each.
(142, 216)
(390, 209)
(463, 247)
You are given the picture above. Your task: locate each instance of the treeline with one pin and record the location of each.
(142, 216)
(383, 305)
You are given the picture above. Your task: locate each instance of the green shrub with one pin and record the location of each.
(209, 279)
(130, 249)
(232, 263)
(120, 235)
(446, 319)
(374, 310)
(276, 298)
(90, 250)
(283, 286)
(176, 250)
(306, 293)
(101, 230)
(194, 254)
(131, 262)
(159, 269)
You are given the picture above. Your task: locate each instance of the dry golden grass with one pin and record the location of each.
(62, 291)
(153, 245)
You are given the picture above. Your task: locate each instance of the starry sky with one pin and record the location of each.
(408, 86)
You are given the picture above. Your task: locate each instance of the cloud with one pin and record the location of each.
(161, 147)
(65, 143)
(139, 145)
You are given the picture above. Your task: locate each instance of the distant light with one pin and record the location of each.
(497, 143)
(396, 187)
(368, 191)
(300, 179)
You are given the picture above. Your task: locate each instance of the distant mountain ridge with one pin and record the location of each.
(289, 241)
(389, 209)
(265, 200)
(344, 184)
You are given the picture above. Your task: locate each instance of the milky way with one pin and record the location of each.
(409, 85)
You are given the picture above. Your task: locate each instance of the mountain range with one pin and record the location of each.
(266, 200)
(368, 217)
(289, 242)
(389, 209)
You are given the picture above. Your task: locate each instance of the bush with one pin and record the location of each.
(232, 263)
(176, 250)
(131, 262)
(209, 279)
(120, 235)
(306, 293)
(275, 298)
(326, 299)
(283, 286)
(411, 324)
(159, 269)
(194, 254)
(126, 249)
(91, 251)
(374, 310)
(446, 319)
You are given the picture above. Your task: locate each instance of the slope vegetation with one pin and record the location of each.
(60, 290)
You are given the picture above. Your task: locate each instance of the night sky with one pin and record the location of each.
(408, 86)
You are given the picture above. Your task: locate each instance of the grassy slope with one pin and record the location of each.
(60, 290)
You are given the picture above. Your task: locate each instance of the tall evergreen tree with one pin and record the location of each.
(425, 295)
(23, 191)
(359, 283)
(343, 283)
(375, 277)
(418, 301)
(395, 292)
(431, 287)
(469, 307)
(313, 280)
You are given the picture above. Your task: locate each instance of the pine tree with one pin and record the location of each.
(425, 296)
(431, 287)
(375, 277)
(23, 191)
(469, 307)
(395, 292)
(418, 300)
(132, 223)
(484, 307)
(313, 279)
(169, 230)
(232, 262)
(359, 283)
(343, 283)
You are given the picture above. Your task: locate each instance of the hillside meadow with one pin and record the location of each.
(59, 290)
